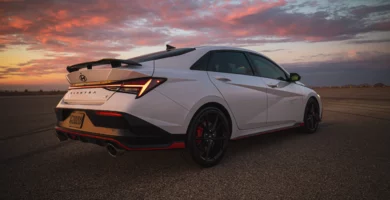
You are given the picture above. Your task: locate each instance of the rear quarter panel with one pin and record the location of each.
(191, 89)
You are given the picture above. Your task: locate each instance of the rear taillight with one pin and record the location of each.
(139, 86)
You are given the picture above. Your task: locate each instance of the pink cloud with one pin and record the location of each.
(68, 25)
(19, 23)
(96, 29)
(238, 12)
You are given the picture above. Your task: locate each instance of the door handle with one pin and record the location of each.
(222, 79)
(272, 86)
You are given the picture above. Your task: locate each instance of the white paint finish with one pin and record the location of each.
(265, 129)
(152, 107)
(89, 96)
(191, 89)
(186, 87)
(285, 102)
(172, 105)
(246, 97)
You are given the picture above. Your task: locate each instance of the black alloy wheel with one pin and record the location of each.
(312, 116)
(208, 136)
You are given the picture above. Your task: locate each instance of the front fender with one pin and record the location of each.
(313, 94)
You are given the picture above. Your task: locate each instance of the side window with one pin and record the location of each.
(266, 68)
(201, 64)
(229, 62)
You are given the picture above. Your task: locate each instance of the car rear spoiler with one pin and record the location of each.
(114, 63)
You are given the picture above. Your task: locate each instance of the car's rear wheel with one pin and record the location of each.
(311, 117)
(208, 136)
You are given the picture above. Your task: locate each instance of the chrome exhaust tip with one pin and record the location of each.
(114, 151)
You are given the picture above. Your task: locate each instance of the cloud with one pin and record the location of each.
(364, 10)
(70, 26)
(314, 27)
(352, 58)
(5, 72)
(10, 70)
(369, 41)
(76, 31)
(271, 50)
(342, 69)
(38, 67)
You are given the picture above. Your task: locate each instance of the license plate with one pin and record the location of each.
(76, 120)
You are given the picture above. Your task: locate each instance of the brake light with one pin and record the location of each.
(108, 114)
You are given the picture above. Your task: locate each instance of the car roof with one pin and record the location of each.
(189, 58)
(210, 48)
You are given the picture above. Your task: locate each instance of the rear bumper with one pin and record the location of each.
(126, 131)
(119, 142)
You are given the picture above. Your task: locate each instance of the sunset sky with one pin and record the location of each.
(329, 42)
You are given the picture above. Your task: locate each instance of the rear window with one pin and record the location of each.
(161, 55)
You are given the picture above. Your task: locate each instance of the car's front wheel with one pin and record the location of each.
(311, 117)
(208, 136)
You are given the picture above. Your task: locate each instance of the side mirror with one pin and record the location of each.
(294, 77)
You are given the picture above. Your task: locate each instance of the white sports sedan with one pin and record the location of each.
(196, 98)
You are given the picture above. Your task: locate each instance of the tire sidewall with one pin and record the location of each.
(191, 134)
(305, 127)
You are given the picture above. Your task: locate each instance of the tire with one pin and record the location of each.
(311, 117)
(208, 136)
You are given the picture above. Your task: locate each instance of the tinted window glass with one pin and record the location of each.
(201, 64)
(266, 68)
(161, 55)
(229, 62)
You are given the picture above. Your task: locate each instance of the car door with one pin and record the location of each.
(285, 99)
(244, 93)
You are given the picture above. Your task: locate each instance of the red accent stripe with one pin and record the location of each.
(174, 145)
(271, 131)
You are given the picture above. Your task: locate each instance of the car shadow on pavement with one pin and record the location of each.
(174, 160)
(261, 142)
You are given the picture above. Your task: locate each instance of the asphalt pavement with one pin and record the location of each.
(348, 158)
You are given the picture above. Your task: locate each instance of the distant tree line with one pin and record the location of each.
(28, 92)
(364, 85)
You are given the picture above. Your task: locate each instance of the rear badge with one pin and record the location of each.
(83, 78)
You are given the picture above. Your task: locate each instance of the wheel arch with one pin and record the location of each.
(211, 102)
(317, 99)
(312, 97)
(219, 106)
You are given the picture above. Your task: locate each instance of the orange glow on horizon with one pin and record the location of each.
(38, 41)
(35, 80)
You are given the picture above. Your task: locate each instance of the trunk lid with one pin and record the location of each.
(86, 83)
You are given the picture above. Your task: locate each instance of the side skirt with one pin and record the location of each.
(270, 131)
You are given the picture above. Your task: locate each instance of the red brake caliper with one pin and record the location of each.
(199, 134)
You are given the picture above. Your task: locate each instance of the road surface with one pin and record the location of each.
(348, 158)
